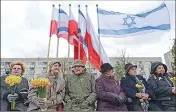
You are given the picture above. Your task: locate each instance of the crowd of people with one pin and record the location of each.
(80, 91)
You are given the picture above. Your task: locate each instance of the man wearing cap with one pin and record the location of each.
(55, 92)
(128, 84)
(109, 93)
(80, 89)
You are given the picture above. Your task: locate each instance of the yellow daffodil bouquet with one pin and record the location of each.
(13, 81)
(144, 103)
(173, 79)
(139, 87)
(41, 84)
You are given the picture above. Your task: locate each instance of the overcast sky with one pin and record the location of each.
(25, 29)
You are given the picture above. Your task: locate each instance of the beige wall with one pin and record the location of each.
(38, 65)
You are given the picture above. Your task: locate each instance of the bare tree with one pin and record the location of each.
(120, 64)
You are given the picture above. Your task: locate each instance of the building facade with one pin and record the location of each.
(36, 66)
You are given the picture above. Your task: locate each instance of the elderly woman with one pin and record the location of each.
(55, 92)
(20, 93)
(109, 93)
(163, 87)
(128, 84)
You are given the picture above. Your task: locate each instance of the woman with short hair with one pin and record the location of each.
(21, 92)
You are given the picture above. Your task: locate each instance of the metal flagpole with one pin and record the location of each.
(88, 43)
(57, 54)
(98, 35)
(69, 44)
(49, 47)
(79, 36)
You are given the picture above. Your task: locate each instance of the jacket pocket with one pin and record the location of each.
(68, 105)
(170, 101)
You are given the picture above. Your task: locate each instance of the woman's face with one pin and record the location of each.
(109, 73)
(132, 71)
(160, 69)
(16, 70)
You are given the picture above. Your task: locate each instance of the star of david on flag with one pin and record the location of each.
(129, 21)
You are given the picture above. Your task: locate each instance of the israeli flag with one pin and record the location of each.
(116, 24)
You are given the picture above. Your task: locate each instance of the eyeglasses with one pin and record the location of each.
(77, 66)
(16, 68)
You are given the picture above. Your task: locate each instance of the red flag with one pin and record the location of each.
(54, 22)
(73, 33)
(95, 57)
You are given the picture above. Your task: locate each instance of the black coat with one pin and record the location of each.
(5, 90)
(162, 87)
(128, 84)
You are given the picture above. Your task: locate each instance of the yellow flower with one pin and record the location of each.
(160, 78)
(40, 82)
(173, 79)
(154, 76)
(13, 80)
(139, 86)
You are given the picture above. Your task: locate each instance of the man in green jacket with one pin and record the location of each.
(80, 89)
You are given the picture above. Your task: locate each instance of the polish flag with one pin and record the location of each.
(73, 33)
(54, 22)
(82, 30)
(91, 38)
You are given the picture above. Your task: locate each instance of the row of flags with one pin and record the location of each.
(83, 37)
(80, 34)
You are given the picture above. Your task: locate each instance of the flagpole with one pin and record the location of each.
(98, 35)
(69, 45)
(88, 42)
(79, 36)
(49, 48)
(57, 54)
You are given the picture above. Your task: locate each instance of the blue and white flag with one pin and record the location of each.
(116, 24)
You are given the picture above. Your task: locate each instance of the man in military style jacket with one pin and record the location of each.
(80, 89)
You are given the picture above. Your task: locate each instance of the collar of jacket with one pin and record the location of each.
(109, 78)
(83, 72)
(160, 75)
(12, 74)
(132, 77)
(52, 76)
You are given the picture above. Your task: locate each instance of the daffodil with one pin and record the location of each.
(139, 86)
(41, 84)
(13, 80)
(160, 78)
(173, 79)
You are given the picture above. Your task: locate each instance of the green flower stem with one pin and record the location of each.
(13, 103)
(41, 92)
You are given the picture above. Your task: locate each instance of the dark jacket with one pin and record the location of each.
(5, 90)
(162, 87)
(107, 89)
(128, 84)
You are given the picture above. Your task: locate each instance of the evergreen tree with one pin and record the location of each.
(174, 56)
